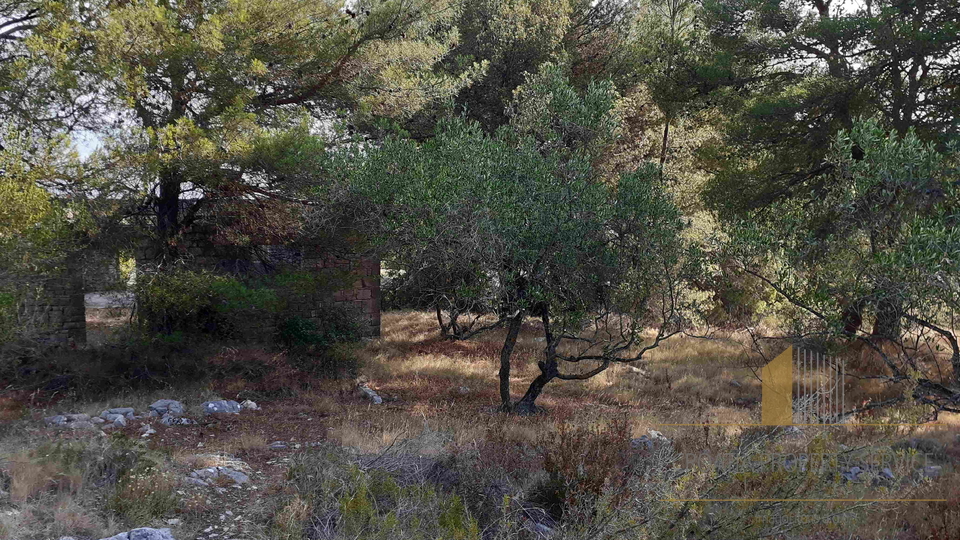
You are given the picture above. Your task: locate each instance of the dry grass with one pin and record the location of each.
(71, 518)
(290, 521)
(32, 474)
(436, 377)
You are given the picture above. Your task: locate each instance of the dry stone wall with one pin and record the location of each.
(361, 293)
(56, 313)
(347, 281)
(351, 282)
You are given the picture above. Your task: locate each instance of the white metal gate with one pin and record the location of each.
(818, 391)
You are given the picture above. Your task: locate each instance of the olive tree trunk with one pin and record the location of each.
(513, 330)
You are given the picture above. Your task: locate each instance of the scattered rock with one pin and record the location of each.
(852, 474)
(195, 481)
(657, 436)
(147, 430)
(250, 405)
(371, 394)
(174, 521)
(638, 371)
(221, 406)
(58, 420)
(931, 471)
(463, 390)
(641, 442)
(540, 530)
(118, 420)
(887, 473)
(736, 384)
(127, 412)
(70, 421)
(212, 475)
(793, 431)
(648, 441)
(145, 533)
(164, 406)
(278, 445)
(174, 420)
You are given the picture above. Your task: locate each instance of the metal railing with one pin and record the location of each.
(818, 393)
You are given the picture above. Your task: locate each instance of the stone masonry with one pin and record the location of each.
(59, 316)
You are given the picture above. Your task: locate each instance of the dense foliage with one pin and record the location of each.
(519, 225)
(881, 244)
(788, 75)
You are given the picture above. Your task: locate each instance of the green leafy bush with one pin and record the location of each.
(322, 346)
(199, 302)
(369, 504)
(332, 325)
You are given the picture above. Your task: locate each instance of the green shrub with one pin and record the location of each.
(142, 490)
(144, 494)
(331, 326)
(200, 302)
(70, 465)
(371, 504)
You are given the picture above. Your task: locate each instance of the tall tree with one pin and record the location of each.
(521, 222)
(512, 38)
(884, 233)
(209, 100)
(670, 42)
(17, 19)
(790, 74)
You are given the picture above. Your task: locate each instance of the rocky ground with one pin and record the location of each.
(423, 412)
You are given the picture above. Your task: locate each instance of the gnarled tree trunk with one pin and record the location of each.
(548, 370)
(505, 353)
(527, 404)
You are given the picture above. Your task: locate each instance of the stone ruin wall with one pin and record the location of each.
(60, 314)
(362, 296)
(360, 277)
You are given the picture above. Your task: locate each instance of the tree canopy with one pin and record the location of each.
(881, 243)
(560, 162)
(519, 225)
(206, 100)
(788, 76)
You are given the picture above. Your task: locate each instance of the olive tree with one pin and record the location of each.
(520, 223)
(880, 242)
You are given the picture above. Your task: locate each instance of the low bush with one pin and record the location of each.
(47, 469)
(200, 302)
(8, 316)
(60, 487)
(346, 501)
(585, 464)
(134, 361)
(935, 520)
(323, 346)
(331, 325)
(144, 494)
